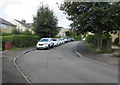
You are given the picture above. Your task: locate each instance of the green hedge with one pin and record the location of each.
(90, 38)
(6, 39)
(78, 38)
(20, 40)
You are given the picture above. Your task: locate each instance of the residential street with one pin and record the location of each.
(62, 65)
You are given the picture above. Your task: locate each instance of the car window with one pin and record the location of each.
(44, 40)
(54, 39)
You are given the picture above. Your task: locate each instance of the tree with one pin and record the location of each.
(95, 17)
(69, 33)
(45, 22)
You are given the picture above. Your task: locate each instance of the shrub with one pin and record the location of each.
(57, 36)
(90, 38)
(106, 36)
(26, 32)
(24, 40)
(20, 40)
(78, 38)
(6, 39)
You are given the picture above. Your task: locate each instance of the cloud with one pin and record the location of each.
(25, 9)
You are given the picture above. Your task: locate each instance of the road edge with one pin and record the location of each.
(17, 67)
(78, 53)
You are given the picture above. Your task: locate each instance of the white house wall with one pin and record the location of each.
(19, 26)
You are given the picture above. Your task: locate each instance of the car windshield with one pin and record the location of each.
(44, 40)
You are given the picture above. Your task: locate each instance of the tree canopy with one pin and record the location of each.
(95, 17)
(45, 22)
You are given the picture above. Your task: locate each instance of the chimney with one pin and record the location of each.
(23, 21)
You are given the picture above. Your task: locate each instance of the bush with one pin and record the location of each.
(26, 32)
(24, 40)
(90, 38)
(106, 36)
(20, 40)
(78, 38)
(6, 39)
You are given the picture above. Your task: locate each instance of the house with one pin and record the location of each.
(22, 25)
(62, 32)
(6, 27)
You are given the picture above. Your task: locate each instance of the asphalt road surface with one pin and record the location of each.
(62, 65)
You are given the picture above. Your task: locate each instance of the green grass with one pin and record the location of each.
(15, 48)
(91, 47)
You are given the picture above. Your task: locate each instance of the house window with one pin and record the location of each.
(4, 26)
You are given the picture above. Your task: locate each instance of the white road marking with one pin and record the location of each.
(14, 60)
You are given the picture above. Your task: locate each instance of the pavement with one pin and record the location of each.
(9, 72)
(106, 58)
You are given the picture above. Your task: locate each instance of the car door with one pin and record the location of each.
(51, 42)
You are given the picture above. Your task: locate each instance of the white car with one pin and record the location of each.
(55, 41)
(45, 43)
(61, 41)
(58, 41)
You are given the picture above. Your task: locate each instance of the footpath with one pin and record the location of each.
(9, 72)
(107, 58)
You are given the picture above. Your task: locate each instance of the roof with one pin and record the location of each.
(6, 22)
(24, 24)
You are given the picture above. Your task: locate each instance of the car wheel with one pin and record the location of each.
(48, 47)
(53, 46)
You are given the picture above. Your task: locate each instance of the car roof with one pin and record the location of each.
(46, 38)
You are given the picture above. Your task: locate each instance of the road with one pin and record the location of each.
(62, 65)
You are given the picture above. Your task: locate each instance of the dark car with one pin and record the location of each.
(71, 39)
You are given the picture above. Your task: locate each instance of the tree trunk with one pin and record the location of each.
(99, 42)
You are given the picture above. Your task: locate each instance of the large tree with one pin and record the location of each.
(95, 17)
(45, 22)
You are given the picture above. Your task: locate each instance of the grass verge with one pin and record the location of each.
(92, 48)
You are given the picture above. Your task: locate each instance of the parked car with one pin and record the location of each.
(58, 41)
(62, 40)
(55, 41)
(65, 39)
(71, 39)
(45, 43)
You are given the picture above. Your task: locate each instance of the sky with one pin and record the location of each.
(26, 9)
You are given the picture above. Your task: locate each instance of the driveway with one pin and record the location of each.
(62, 65)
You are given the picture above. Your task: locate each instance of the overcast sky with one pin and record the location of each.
(26, 9)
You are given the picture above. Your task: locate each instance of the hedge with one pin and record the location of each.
(78, 38)
(20, 40)
(90, 38)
